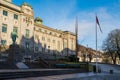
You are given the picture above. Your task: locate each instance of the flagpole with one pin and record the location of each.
(96, 46)
(76, 33)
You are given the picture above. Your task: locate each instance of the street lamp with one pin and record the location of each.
(87, 59)
(48, 49)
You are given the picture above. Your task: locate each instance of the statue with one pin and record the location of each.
(13, 48)
(14, 36)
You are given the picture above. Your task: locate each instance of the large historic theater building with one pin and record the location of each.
(33, 37)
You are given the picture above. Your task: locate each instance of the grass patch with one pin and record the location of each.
(76, 65)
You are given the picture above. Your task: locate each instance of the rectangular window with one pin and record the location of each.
(53, 41)
(36, 49)
(27, 45)
(15, 16)
(15, 29)
(3, 42)
(50, 33)
(4, 28)
(36, 37)
(48, 40)
(43, 38)
(45, 31)
(40, 30)
(27, 33)
(65, 44)
(72, 46)
(5, 13)
(58, 45)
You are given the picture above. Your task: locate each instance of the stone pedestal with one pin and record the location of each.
(13, 53)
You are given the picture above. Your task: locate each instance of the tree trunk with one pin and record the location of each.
(113, 57)
(114, 61)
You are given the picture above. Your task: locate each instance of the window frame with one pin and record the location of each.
(43, 38)
(16, 16)
(5, 13)
(27, 33)
(3, 42)
(4, 28)
(14, 29)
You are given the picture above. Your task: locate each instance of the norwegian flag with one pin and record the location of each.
(97, 22)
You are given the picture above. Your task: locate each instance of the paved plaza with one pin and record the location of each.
(104, 75)
(79, 76)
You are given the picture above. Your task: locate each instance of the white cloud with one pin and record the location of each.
(59, 19)
(86, 23)
(108, 22)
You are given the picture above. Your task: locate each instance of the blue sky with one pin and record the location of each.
(60, 14)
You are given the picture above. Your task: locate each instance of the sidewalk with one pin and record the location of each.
(96, 76)
(78, 76)
(104, 75)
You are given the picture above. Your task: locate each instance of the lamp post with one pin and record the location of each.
(87, 59)
(48, 49)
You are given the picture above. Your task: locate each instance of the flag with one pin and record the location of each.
(97, 22)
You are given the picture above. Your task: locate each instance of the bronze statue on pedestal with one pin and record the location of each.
(14, 36)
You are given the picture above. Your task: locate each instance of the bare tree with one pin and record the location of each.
(90, 57)
(111, 45)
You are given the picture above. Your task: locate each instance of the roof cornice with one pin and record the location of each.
(10, 6)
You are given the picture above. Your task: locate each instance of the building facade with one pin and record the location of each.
(33, 36)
